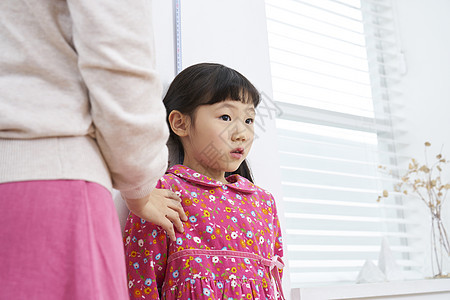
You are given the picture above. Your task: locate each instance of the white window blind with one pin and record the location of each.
(334, 64)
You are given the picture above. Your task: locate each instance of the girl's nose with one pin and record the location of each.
(240, 132)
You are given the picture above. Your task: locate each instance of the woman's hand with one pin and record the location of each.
(161, 207)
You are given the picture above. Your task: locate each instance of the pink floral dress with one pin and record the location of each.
(230, 249)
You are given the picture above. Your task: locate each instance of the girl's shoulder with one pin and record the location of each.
(169, 180)
(263, 193)
(258, 193)
(258, 190)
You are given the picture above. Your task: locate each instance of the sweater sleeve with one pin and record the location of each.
(114, 43)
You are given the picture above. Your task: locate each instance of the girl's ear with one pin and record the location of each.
(179, 123)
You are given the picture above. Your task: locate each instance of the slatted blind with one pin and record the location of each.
(334, 65)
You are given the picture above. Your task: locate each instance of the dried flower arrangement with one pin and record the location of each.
(425, 182)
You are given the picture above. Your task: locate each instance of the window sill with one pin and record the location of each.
(430, 288)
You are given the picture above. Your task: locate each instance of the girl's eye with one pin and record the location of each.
(249, 121)
(225, 118)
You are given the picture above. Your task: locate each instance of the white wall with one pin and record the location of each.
(164, 30)
(424, 36)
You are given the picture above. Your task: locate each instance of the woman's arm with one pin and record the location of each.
(113, 41)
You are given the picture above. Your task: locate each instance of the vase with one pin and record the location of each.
(439, 248)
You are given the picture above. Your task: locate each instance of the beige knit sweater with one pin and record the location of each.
(79, 96)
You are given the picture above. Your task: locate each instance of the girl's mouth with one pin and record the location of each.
(237, 153)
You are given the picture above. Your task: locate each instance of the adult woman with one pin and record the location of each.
(80, 112)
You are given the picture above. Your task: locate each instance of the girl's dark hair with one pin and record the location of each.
(206, 84)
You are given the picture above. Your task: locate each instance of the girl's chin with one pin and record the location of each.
(233, 167)
(222, 166)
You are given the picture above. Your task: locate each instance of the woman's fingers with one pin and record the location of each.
(161, 207)
(175, 204)
(174, 217)
(172, 195)
(178, 208)
(168, 227)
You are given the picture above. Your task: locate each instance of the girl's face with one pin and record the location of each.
(219, 137)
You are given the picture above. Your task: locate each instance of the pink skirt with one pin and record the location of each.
(60, 239)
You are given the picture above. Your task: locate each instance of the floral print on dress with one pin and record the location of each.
(231, 233)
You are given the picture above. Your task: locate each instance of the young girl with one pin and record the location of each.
(231, 246)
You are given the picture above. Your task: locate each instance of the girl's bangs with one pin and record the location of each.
(236, 92)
